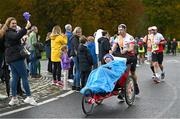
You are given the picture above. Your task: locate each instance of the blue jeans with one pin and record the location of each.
(33, 64)
(77, 73)
(19, 70)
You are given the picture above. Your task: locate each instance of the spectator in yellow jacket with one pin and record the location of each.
(57, 41)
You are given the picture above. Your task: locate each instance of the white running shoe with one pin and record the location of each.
(156, 80)
(30, 100)
(158, 76)
(14, 101)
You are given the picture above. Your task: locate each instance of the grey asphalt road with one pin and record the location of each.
(155, 100)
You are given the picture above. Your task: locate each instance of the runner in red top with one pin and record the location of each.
(157, 54)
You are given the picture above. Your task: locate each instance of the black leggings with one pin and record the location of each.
(84, 77)
(49, 65)
(57, 71)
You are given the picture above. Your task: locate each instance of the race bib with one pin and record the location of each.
(155, 47)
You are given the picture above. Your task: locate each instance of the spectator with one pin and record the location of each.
(57, 41)
(33, 60)
(4, 70)
(85, 60)
(16, 61)
(48, 51)
(174, 46)
(168, 46)
(69, 34)
(2, 48)
(91, 47)
(104, 46)
(65, 63)
(97, 35)
(74, 48)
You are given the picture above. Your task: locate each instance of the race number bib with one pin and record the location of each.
(155, 47)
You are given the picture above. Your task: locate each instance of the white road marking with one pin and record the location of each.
(65, 94)
(40, 103)
(172, 61)
(17, 110)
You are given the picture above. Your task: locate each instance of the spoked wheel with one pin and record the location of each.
(88, 102)
(99, 102)
(130, 90)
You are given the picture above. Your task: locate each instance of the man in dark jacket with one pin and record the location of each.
(85, 61)
(74, 48)
(104, 46)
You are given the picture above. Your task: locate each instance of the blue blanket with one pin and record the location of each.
(103, 79)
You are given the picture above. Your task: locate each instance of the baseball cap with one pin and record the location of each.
(108, 56)
(154, 28)
(149, 28)
(122, 26)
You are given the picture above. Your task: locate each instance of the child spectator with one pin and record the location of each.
(85, 60)
(65, 63)
(91, 47)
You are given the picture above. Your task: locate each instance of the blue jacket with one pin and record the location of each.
(91, 47)
(48, 48)
(69, 35)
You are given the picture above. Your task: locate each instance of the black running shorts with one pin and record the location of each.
(157, 57)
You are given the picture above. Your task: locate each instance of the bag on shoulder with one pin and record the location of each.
(24, 52)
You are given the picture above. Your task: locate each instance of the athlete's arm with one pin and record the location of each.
(163, 42)
(114, 47)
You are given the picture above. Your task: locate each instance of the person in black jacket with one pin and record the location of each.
(85, 61)
(104, 46)
(16, 60)
(48, 51)
(74, 48)
(4, 70)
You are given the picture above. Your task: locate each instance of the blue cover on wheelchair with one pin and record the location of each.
(103, 79)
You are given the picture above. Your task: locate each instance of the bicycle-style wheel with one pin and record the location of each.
(88, 102)
(130, 90)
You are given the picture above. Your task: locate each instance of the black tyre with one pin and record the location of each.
(130, 90)
(99, 102)
(87, 102)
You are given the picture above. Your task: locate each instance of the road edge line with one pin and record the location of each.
(40, 103)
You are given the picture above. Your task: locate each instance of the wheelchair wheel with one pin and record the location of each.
(88, 102)
(130, 90)
(99, 102)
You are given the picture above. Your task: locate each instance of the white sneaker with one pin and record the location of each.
(14, 101)
(158, 76)
(31, 101)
